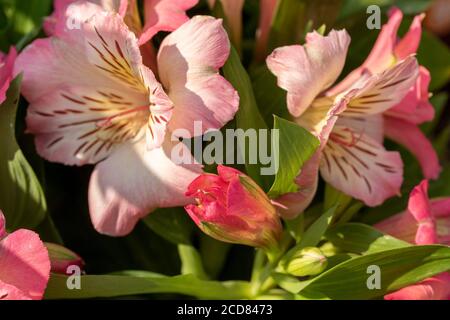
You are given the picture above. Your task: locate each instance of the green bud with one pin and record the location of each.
(308, 261)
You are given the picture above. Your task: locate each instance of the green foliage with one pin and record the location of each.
(296, 146)
(21, 198)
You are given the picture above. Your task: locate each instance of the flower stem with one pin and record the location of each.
(191, 261)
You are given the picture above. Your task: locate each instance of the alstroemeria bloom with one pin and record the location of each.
(6, 71)
(24, 264)
(159, 15)
(92, 100)
(351, 157)
(424, 222)
(402, 120)
(231, 207)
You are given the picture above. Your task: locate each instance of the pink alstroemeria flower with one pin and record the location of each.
(160, 15)
(24, 264)
(348, 123)
(231, 207)
(424, 222)
(402, 120)
(92, 100)
(6, 71)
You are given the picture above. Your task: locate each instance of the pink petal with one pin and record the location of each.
(9, 292)
(380, 92)
(6, 72)
(228, 173)
(419, 204)
(24, 266)
(89, 91)
(305, 71)
(380, 58)
(119, 195)
(67, 13)
(441, 207)
(189, 60)
(401, 226)
(266, 11)
(426, 233)
(410, 42)
(419, 207)
(371, 125)
(435, 288)
(164, 15)
(415, 106)
(359, 166)
(410, 136)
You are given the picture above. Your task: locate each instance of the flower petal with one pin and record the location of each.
(358, 165)
(305, 71)
(418, 203)
(435, 288)
(24, 264)
(189, 60)
(419, 207)
(441, 207)
(120, 195)
(382, 54)
(379, 93)
(164, 15)
(410, 136)
(415, 106)
(68, 13)
(410, 42)
(97, 95)
(6, 72)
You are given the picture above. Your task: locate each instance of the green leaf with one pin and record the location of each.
(107, 286)
(296, 227)
(312, 236)
(21, 198)
(248, 115)
(296, 146)
(24, 20)
(361, 238)
(289, 283)
(288, 23)
(268, 95)
(399, 268)
(172, 224)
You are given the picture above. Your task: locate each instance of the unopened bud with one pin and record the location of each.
(309, 261)
(62, 258)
